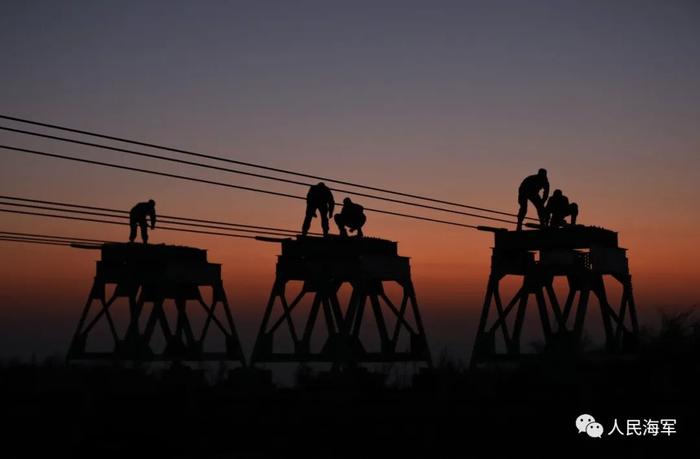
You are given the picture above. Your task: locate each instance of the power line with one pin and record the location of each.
(93, 220)
(221, 184)
(48, 236)
(40, 239)
(99, 214)
(250, 174)
(160, 216)
(252, 165)
(30, 241)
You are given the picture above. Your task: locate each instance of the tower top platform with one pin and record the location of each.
(317, 259)
(338, 247)
(569, 237)
(135, 253)
(156, 263)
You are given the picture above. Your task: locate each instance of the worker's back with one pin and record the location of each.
(532, 184)
(558, 203)
(353, 211)
(319, 195)
(140, 210)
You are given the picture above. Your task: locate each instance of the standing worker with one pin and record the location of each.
(319, 198)
(558, 208)
(530, 191)
(137, 216)
(352, 216)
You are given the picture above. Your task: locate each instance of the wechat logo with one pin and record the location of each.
(586, 424)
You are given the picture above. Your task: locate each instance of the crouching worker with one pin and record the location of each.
(351, 217)
(558, 208)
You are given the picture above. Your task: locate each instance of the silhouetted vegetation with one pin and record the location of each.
(118, 410)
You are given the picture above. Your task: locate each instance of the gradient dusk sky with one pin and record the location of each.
(453, 99)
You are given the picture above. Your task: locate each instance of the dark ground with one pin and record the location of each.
(52, 410)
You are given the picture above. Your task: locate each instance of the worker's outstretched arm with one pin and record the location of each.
(153, 218)
(545, 190)
(331, 206)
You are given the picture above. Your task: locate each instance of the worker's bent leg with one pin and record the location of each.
(541, 212)
(522, 202)
(324, 221)
(338, 218)
(557, 220)
(306, 225)
(363, 220)
(307, 220)
(132, 233)
(144, 232)
(548, 218)
(573, 209)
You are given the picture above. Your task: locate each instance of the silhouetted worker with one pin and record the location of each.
(558, 208)
(137, 216)
(352, 216)
(530, 191)
(319, 198)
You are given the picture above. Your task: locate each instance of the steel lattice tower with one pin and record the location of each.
(324, 265)
(584, 256)
(157, 277)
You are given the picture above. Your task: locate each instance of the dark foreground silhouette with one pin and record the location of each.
(529, 190)
(318, 199)
(352, 218)
(137, 218)
(558, 208)
(51, 410)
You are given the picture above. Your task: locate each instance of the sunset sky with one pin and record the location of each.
(457, 100)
